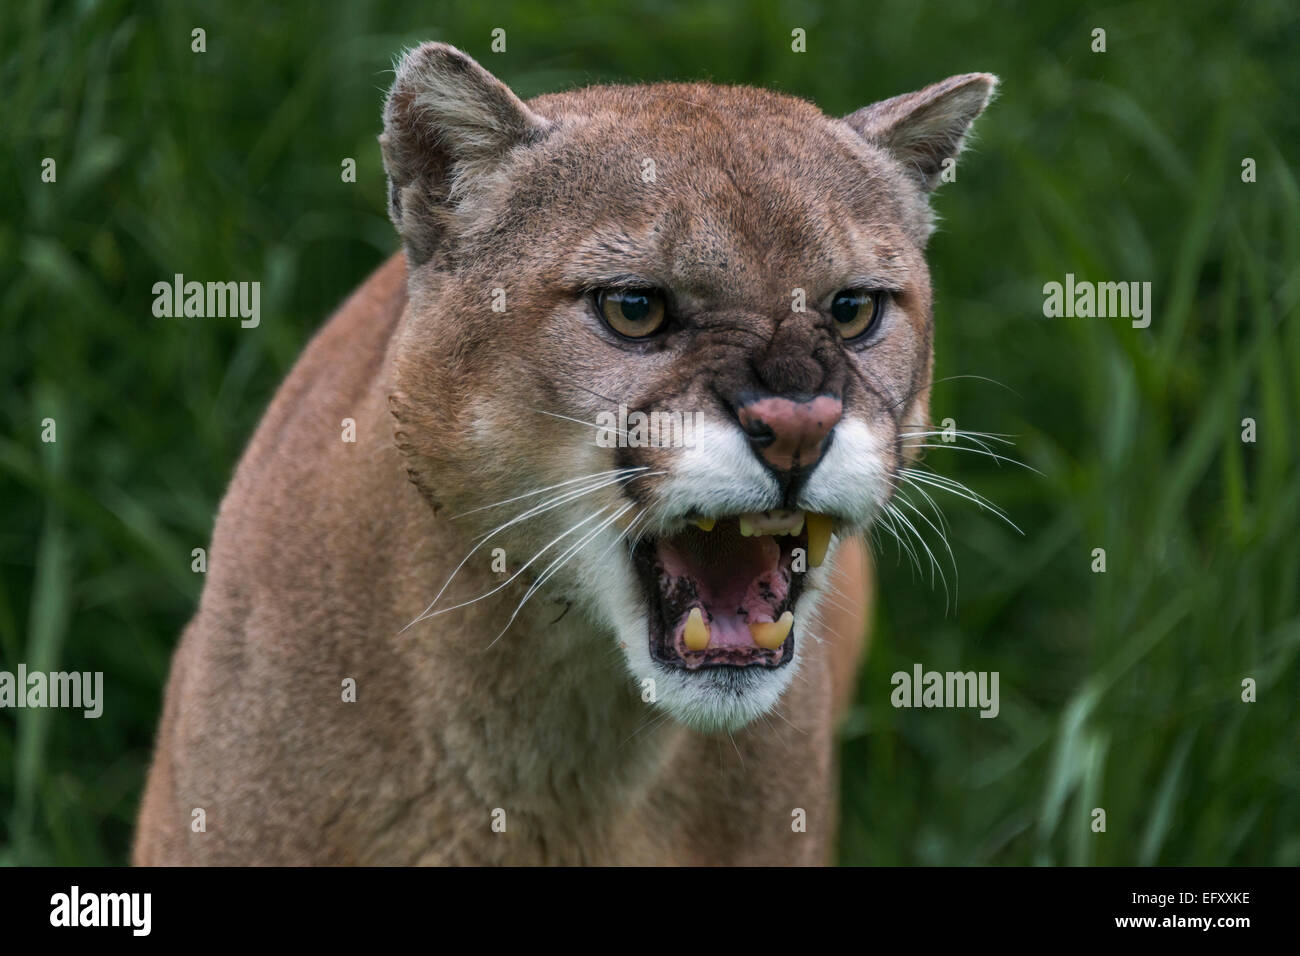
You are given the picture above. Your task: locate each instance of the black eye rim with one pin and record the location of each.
(878, 298)
(596, 296)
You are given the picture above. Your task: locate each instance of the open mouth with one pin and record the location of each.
(721, 592)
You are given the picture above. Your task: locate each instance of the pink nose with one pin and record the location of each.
(790, 434)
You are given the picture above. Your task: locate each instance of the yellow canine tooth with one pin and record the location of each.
(772, 635)
(705, 524)
(697, 632)
(819, 538)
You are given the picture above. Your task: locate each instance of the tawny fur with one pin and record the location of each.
(324, 550)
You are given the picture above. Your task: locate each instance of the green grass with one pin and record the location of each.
(1119, 690)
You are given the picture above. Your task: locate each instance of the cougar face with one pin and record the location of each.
(660, 346)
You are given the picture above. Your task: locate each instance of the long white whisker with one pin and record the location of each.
(1003, 438)
(978, 451)
(579, 421)
(564, 498)
(622, 535)
(943, 521)
(942, 537)
(946, 443)
(571, 481)
(547, 505)
(904, 545)
(934, 562)
(521, 570)
(955, 487)
(559, 562)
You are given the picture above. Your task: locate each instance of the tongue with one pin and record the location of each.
(735, 580)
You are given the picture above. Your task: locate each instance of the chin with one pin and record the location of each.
(712, 699)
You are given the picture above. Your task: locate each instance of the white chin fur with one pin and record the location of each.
(712, 698)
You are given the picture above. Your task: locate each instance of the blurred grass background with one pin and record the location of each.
(1118, 690)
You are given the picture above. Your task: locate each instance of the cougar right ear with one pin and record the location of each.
(447, 121)
(924, 128)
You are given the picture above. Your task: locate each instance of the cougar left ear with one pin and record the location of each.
(924, 128)
(447, 122)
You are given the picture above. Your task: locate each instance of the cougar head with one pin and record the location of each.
(677, 329)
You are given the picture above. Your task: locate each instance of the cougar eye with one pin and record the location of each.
(635, 313)
(856, 311)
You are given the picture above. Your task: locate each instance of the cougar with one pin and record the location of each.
(476, 593)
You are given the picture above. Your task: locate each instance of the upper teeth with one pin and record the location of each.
(778, 522)
(757, 523)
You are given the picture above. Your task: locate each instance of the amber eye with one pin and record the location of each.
(856, 311)
(635, 313)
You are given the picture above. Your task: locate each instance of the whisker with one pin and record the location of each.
(737, 747)
(521, 570)
(954, 487)
(903, 544)
(559, 562)
(776, 712)
(942, 537)
(563, 498)
(934, 562)
(952, 378)
(949, 439)
(561, 484)
(976, 451)
(545, 506)
(943, 521)
(579, 421)
(622, 536)
(1002, 438)
(656, 720)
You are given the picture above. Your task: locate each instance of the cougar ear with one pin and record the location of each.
(447, 122)
(924, 128)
